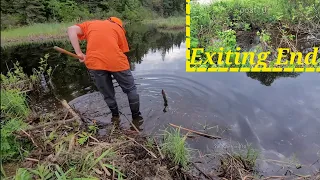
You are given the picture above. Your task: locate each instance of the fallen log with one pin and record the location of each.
(74, 114)
(196, 132)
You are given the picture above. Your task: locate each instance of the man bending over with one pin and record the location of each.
(106, 45)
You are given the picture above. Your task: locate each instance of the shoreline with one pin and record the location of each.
(56, 31)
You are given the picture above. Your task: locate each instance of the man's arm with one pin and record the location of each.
(73, 32)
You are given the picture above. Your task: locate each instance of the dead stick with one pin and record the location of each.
(65, 117)
(207, 176)
(105, 169)
(281, 162)
(67, 106)
(51, 123)
(71, 143)
(150, 152)
(272, 177)
(131, 123)
(94, 138)
(162, 157)
(31, 159)
(30, 137)
(246, 177)
(196, 132)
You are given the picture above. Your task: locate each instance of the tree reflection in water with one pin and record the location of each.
(267, 78)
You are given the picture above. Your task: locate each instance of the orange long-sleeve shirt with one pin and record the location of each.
(106, 45)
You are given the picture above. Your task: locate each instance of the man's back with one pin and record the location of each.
(106, 45)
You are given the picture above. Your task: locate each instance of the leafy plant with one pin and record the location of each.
(10, 146)
(23, 174)
(13, 104)
(15, 78)
(174, 146)
(249, 155)
(13, 110)
(89, 162)
(43, 172)
(61, 175)
(264, 36)
(93, 128)
(84, 136)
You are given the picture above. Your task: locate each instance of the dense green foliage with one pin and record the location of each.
(14, 106)
(208, 20)
(13, 111)
(22, 12)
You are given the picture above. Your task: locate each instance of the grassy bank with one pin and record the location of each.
(58, 145)
(57, 31)
(168, 23)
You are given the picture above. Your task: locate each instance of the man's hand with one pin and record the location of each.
(83, 57)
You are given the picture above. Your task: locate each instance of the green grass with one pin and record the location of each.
(168, 23)
(175, 147)
(58, 28)
(35, 29)
(13, 104)
(14, 110)
(49, 32)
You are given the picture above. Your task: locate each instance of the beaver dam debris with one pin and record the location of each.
(165, 100)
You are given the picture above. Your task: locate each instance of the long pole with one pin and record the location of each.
(66, 52)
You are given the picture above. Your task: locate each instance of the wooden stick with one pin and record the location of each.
(162, 157)
(97, 171)
(31, 159)
(30, 137)
(196, 132)
(51, 124)
(131, 123)
(165, 100)
(67, 106)
(71, 143)
(94, 138)
(150, 152)
(280, 162)
(105, 169)
(272, 177)
(66, 52)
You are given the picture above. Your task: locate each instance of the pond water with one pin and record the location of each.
(279, 113)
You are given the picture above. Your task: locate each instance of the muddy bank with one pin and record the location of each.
(58, 140)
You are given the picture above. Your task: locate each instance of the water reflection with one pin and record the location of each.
(279, 115)
(268, 78)
(71, 78)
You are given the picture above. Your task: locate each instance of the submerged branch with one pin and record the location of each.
(196, 132)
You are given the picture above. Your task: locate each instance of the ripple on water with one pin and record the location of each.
(265, 116)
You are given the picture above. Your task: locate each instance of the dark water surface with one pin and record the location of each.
(279, 113)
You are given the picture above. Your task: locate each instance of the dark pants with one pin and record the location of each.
(103, 82)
